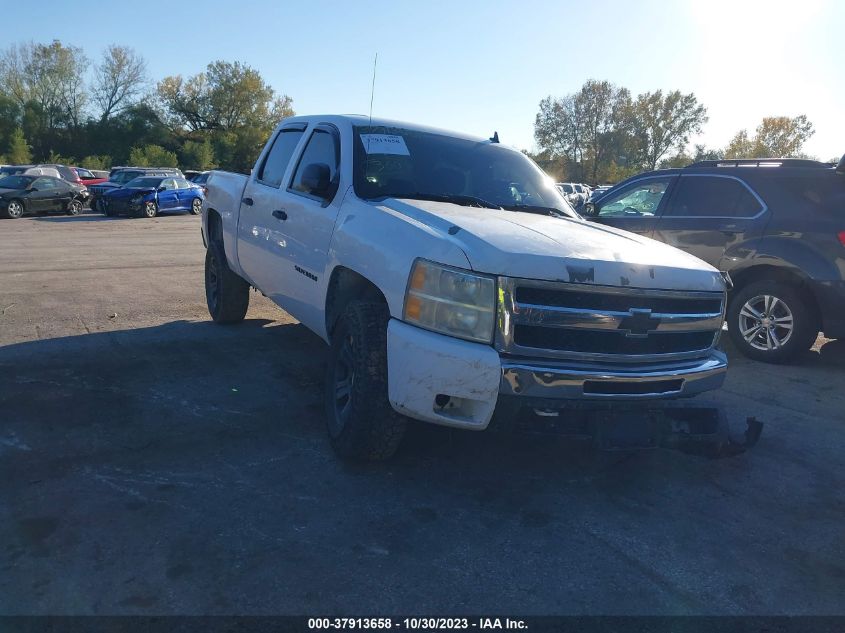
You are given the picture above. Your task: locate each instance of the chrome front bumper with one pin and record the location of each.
(593, 382)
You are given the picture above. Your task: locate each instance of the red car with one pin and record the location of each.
(87, 177)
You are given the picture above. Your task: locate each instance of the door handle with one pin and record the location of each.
(280, 214)
(247, 201)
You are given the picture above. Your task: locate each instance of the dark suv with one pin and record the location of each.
(119, 176)
(777, 226)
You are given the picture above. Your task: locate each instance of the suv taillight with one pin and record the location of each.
(841, 236)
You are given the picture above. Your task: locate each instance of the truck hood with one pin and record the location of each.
(531, 246)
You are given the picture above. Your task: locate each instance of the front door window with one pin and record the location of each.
(640, 199)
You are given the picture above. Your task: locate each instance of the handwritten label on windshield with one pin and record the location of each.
(384, 144)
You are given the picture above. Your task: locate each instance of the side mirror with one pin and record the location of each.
(160, 189)
(316, 179)
(33, 189)
(590, 209)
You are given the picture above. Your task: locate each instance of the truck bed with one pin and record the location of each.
(225, 189)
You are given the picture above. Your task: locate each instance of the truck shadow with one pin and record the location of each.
(185, 385)
(84, 217)
(187, 446)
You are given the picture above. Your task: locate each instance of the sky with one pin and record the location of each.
(483, 66)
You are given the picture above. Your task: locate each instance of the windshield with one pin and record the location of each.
(16, 182)
(143, 183)
(123, 177)
(407, 163)
(200, 179)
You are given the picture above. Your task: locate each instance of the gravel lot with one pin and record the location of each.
(153, 463)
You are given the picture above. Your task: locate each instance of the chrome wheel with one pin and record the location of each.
(74, 207)
(766, 322)
(196, 206)
(15, 209)
(150, 209)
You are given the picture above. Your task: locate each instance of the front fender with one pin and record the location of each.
(381, 245)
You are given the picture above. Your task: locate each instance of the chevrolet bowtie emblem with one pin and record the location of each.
(639, 323)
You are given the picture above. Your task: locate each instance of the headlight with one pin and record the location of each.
(451, 301)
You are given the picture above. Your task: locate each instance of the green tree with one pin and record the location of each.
(227, 96)
(97, 162)
(20, 153)
(230, 103)
(662, 123)
(10, 114)
(775, 137)
(50, 76)
(119, 80)
(197, 155)
(703, 153)
(558, 130)
(586, 128)
(603, 109)
(56, 158)
(681, 159)
(152, 156)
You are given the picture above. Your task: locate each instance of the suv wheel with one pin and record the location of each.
(361, 423)
(771, 322)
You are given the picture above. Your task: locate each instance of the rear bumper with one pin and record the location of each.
(440, 379)
(830, 296)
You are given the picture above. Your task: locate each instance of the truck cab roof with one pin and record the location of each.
(340, 120)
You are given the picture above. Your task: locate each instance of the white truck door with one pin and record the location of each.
(261, 239)
(304, 219)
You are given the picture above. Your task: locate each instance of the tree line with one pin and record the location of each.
(602, 134)
(56, 105)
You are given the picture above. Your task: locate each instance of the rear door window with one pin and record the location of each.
(712, 197)
(275, 164)
(42, 184)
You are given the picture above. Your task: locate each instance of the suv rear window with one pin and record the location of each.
(712, 197)
(823, 192)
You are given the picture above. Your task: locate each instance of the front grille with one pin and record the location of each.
(558, 320)
(572, 298)
(609, 341)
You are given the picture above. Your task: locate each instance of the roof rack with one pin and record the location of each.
(760, 162)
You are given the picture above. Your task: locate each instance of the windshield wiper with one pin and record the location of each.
(466, 201)
(539, 210)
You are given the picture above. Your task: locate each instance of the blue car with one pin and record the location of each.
(147, 196)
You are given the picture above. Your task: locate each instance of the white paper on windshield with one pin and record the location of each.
(384, 144)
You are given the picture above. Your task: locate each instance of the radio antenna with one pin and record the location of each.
(373, 88)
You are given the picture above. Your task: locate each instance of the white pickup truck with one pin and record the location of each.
(451, 279)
